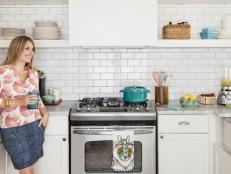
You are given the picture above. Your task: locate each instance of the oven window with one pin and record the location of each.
(98, 157)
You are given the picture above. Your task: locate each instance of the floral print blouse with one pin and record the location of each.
(12, 87)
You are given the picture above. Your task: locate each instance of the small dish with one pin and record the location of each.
(48, 98)
(208, 35)
(189, 103)
(207, 100)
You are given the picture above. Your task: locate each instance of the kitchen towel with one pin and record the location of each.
(123, 151)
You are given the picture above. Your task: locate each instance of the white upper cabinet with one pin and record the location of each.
(112, 22)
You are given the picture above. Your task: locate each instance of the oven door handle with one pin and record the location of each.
(108, 132)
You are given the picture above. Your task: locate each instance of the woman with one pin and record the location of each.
(22, 129)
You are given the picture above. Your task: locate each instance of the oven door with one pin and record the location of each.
(91, 150)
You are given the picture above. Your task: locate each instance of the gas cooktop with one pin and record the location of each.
(111, 108)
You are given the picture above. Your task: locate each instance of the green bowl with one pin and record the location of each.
(48, 98)
(189, 103)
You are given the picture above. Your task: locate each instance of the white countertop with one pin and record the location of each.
(220, 110)
(61, 109)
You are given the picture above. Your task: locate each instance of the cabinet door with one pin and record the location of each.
(112, 22)
(222, 160)
(10, 167)
(55, 159)
(2, 159)
(183, 153)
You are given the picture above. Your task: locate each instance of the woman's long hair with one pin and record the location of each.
(15, 50)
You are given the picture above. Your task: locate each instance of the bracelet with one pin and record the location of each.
(6, 102)
(1, 101)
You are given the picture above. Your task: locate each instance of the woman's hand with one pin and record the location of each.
(22, 101)
(44, 119)
(31, 99)
(25, 100)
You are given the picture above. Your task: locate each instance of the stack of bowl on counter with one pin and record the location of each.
(46, 30)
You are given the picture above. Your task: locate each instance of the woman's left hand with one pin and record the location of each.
(44, 119)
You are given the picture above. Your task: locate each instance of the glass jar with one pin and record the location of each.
(226, 77)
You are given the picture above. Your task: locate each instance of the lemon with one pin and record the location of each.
(192, 97)
(185, 97)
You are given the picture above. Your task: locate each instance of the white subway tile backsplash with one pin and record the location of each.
(91, 90)
(108, 90)
(14, 11)
(81, 72)
(100, 69)
(106, 76)
(127, 69)
(100, 83)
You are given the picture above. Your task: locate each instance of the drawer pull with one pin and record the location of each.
(184, 123)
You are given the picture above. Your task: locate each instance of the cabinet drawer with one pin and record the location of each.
(183, 124)
(227, 133)
(57, 125)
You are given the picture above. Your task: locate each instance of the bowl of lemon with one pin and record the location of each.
(189, 100)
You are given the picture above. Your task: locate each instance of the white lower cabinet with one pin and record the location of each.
(2, 159)
(183, 144)
(222, 160)
(55, 148)
(55, 159)
(10, 167)
(183, 153)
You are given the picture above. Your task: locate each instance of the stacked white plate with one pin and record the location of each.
(46, 30)
(10, 33)
(225, 31)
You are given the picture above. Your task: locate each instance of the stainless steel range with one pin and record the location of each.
(92, 124)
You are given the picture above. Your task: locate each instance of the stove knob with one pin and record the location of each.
(104, 104)
(137, 108)
(147, 109)
(79, 109)
(88, 108)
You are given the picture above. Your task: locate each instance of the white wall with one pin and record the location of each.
(80, 72)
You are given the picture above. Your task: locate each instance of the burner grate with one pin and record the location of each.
(110, 104)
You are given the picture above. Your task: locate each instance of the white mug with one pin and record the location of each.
(56, 94)
(50, 91)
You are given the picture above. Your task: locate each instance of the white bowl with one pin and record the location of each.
(225, 33)
(226, 22)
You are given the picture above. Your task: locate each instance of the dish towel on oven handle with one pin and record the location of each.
(123, 151)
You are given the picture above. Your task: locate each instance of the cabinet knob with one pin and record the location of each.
(64, 139)
(184, 123)
(161, 137)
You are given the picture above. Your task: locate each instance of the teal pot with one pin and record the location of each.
(134, 94)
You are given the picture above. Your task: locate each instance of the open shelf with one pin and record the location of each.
(161, 43)
(209, 43)
(40, 43)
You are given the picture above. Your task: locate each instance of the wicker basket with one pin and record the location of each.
(176, 31)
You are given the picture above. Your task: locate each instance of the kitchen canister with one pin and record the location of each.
(161, 95)
(56, 94)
